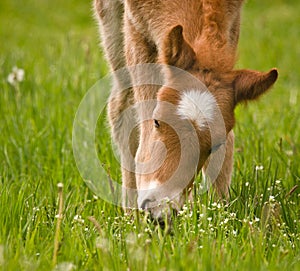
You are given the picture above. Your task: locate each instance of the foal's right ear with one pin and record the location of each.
(176, 51)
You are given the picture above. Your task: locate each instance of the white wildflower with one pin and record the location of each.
(17, 75)
(78, 218)
(181, 212)
(184, 208)
(233, 215)
(259, 168)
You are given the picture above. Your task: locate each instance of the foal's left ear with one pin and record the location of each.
(250, 85)
(176, 51)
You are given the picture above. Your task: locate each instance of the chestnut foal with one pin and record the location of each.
(188, 124)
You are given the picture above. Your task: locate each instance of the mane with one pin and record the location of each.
(217, 44)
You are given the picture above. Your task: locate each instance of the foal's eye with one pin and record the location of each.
(156, 123)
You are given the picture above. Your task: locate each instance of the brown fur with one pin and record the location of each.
(198, 36)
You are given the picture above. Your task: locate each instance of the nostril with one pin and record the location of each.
(144, 204)
(161, 222)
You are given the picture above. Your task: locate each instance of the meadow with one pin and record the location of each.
(56, 43)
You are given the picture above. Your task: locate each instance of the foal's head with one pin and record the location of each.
(193, 115)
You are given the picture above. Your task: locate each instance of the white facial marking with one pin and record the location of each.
(198, 106)
(153, 184)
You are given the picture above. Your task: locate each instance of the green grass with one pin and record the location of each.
(56, 43)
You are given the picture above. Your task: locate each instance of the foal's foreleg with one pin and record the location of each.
(110, 15)
(221, 182)
(120, 106)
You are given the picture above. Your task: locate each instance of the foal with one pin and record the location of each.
(188, 124)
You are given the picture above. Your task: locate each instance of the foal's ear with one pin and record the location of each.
(249, 85)
(176, 51)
